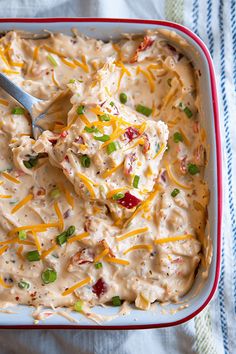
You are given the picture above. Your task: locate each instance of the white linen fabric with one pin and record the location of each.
(213, 331)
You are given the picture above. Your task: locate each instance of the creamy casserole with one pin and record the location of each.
(110, 203)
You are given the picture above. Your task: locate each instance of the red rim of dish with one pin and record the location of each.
(203, 47)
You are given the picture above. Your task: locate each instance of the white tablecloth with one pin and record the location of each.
(213, 331)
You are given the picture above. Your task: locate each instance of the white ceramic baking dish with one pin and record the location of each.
(112, 28)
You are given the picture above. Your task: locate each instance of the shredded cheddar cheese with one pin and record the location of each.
(23, 202)
(68, 63)
(78, 237)
(116, 260)
(37, 227)
(60, 216)
(3, 196)
(112, 170)
(172, 177)
(132, 233)
(148, 77)
(76, 286)
(3, 249)
(3, 284)
(101, 255)
(88, 184)
(48, 251)
(83, 65)
(19, 252)
(138, 247)
(10, 178)
(173, 239)
(160, 151)
(36, 240)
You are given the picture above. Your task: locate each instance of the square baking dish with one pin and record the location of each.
(159, 316)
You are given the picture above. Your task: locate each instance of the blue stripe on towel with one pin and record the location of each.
(195, 15)
(223, 316)
(209, 27)
(233, 28)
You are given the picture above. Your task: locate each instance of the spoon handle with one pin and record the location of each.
(26, 100)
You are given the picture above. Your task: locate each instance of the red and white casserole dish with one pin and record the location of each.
(106, 29)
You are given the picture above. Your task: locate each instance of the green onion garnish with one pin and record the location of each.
(185, 109)
(193, 169)
(33, 256)
(112, 104)
(32, 162)
(111, 147)
(169, 82)
(71, 81)
(104, 118)
(80, 110)
(55, 193)
(23, 284)
(98, 265)
(52, 60)
(116, 301)
(136, 181)
(102, 138)
(118, 196)
(18, 110)
(78, 306)
(177, 137)
(123, 98)
(91, 129)
(144, 110)
(70, 230)
(49, 276)
(62, 238)
(175, 192)
(22, 235)
(85, 161)
(188, 112)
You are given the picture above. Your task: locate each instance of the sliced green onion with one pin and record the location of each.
(85, 161)
(123, 98)
(169, 82)
(33, 256)
(112, 104)
(91, 129)
(104, 118)
(175, 192)
(52, 60)
(102, 138)
(22, 235)
(144, 110)
(111, 147)
(72, 81)
(136, 181)
(188, 112)
(157, 147)
(23, 284)
(49, 276)
(55, 193)
(193, 169)
(70, 230)
(62, 238)
(118, 196)
(18, 110)
(78, 306)
(80, 110)
(32, 162)
(185, 109)
(98, 265)
(116, 301)
(177, 137)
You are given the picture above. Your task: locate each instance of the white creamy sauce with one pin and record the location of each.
(126, 171)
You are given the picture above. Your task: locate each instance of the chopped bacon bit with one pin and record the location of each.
(183, 166)
(196, 127)
(53, 141)
(106, 246)
(81, 257)
(128, 164)
(129, 201)
(163, 176)
(38, 192)
(79, 140)
(146, 43)
(64, 134)
(146, 146)
(199, 153)
(100, 287)
(66, 158)
(67, 213)
(131, 133)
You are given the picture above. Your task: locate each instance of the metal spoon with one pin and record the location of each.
(37, 108)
